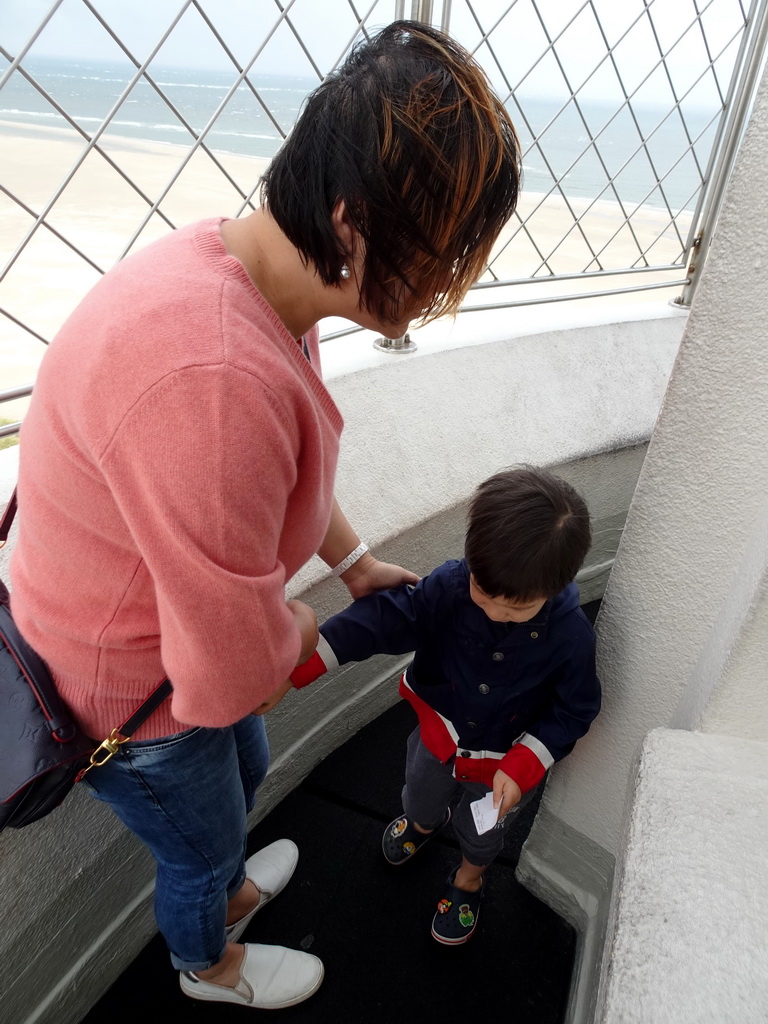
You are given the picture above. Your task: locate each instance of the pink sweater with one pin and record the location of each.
(177, 468)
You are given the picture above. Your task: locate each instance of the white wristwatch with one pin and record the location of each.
(350, 560)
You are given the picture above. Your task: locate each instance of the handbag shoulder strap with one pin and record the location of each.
(7, 519)
(143, 711)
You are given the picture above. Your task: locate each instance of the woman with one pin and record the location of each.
(178, 460)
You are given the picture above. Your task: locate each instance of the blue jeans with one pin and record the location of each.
(187, 797)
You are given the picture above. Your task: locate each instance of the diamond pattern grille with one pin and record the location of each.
(617, 106)
(118, 121)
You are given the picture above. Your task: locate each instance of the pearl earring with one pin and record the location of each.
(345, 273)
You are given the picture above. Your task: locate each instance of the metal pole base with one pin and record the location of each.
(403, 344)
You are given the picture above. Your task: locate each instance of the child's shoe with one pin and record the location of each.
(401, 838)
(457, 914)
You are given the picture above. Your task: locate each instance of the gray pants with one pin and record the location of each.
(430, 787)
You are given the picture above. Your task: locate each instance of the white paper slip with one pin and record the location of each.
(484, 813)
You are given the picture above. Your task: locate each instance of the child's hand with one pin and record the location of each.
(506, 793)
(306, 622)
(274, 698)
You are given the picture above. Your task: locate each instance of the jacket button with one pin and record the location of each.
(464, 753)
(472, 725)
(484, 688)
(534, 635)
(498, 656)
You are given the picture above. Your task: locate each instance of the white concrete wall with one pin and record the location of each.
(684, 610)
(691, 922)
(421, 432)
(682, 631)
(524, 385)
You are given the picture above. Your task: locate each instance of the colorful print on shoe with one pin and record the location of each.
(402, 839)
(457, 914)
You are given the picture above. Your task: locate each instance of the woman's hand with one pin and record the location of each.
(274, 698)
(369, 574)
(306, 623)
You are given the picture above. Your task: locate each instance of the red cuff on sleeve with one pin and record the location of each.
(307, 673)
(522, 765)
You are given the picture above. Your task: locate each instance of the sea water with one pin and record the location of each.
(636, 156)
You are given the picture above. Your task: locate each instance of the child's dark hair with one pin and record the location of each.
(409, 133)
(528, 534)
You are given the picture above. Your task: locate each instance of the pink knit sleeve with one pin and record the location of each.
(202, 469)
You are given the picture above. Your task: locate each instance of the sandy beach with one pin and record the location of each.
(98, 212)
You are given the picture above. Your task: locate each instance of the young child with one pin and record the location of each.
(503, 677)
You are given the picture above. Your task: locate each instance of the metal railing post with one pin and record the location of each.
(445, 24)
(23, 391)
(421, 10)
(738, 104)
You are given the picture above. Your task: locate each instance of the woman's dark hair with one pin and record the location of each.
(527, 536)
(409, 133)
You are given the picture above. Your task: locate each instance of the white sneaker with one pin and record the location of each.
(270, 869)
(271, 977)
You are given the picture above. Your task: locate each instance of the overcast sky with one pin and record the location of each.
(328, 26)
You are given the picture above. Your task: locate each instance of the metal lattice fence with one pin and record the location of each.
(121, 121)
(621, 111)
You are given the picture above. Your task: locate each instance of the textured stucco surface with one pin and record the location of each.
(419, 436)
(682, 628)
(690, 944)
(739, 705)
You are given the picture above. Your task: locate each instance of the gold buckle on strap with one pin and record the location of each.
(104, 752)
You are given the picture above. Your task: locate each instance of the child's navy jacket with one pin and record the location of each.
(514, 696)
